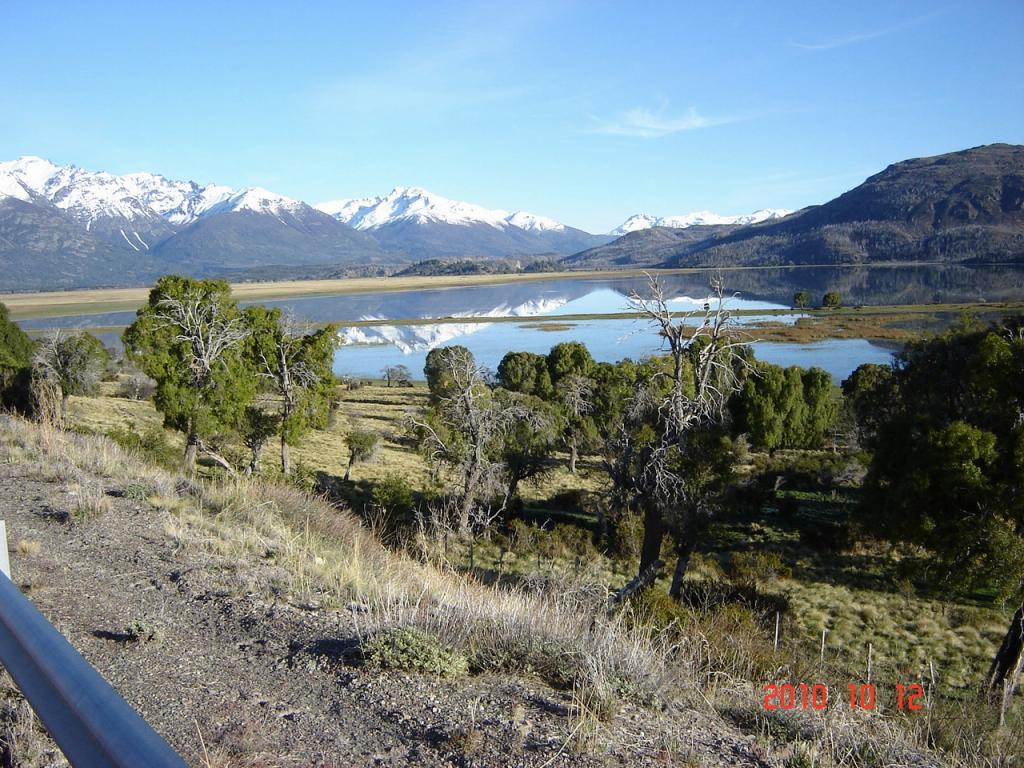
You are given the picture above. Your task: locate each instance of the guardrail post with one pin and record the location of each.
(5, 561)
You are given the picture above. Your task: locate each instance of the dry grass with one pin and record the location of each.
(28, 547)
(23, 742)
(323, 553)
(311, 551)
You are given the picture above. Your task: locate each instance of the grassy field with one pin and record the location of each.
(855, 593)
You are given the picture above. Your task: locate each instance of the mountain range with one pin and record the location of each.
(960, 207)
(64, 227)
(418, 223)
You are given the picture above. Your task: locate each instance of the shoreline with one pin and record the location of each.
(89, 301)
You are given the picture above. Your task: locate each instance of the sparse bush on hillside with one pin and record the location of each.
(749, 568)
(394, 494)
(362, 447)
(412, 650)
(137, 386)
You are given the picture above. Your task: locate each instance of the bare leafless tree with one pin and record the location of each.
(203, 326)
(576, 393)
(463, 431)
(70, 363)
(705, 363)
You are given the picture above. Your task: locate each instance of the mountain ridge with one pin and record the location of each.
(956, 207)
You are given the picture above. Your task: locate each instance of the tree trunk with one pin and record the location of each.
(684, 551)
(191, 447)
(64, 399)
(254, 462)
(348, 470)
(573, 455)
(513, 485)
(1009, 661)
(654, 533)
(286, 461)
(468, 498)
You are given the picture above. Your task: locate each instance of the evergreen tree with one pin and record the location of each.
(16, 350)
(188, 338)
(296, 367)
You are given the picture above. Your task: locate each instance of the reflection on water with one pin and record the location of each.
(757, 287)
(371, 347)
(608, 341)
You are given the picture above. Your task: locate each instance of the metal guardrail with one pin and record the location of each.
(91, 723)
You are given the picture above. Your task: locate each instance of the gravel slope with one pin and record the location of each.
(239, 680)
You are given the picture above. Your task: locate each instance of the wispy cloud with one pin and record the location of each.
(647, 124)
(862, 37)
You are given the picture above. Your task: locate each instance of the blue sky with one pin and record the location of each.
(583, 111)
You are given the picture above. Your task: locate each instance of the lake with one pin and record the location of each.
(540, 304)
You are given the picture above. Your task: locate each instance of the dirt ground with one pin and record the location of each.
(235, 679)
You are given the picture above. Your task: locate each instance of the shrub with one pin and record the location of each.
(747, 568)
(394, 494)
(138, 491)
(412, 650)
(153, 444)
(136, 387)
(142, 632)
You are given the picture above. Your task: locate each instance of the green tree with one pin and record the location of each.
(296, 367)
(571, 367)
(72, 363)
(820, 407)
(188, 338)
(948, 463)
(760, 411)
(438, 368)
(527, 373)
(801, 299)
(256, 428)
(832, 300)
(362, 447)
(570, 358)
(870, 394)
(785, 407)
(528, 442)
(16, 350)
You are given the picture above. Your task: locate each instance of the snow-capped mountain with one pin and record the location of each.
(423, 224)
(422, 206)
(697, 218)
(142, 224)
(93, 197)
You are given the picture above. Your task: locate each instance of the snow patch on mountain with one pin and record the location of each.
(423, 207)
(90, 196)
(257, 200)
(11, 187)
(697, 218)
